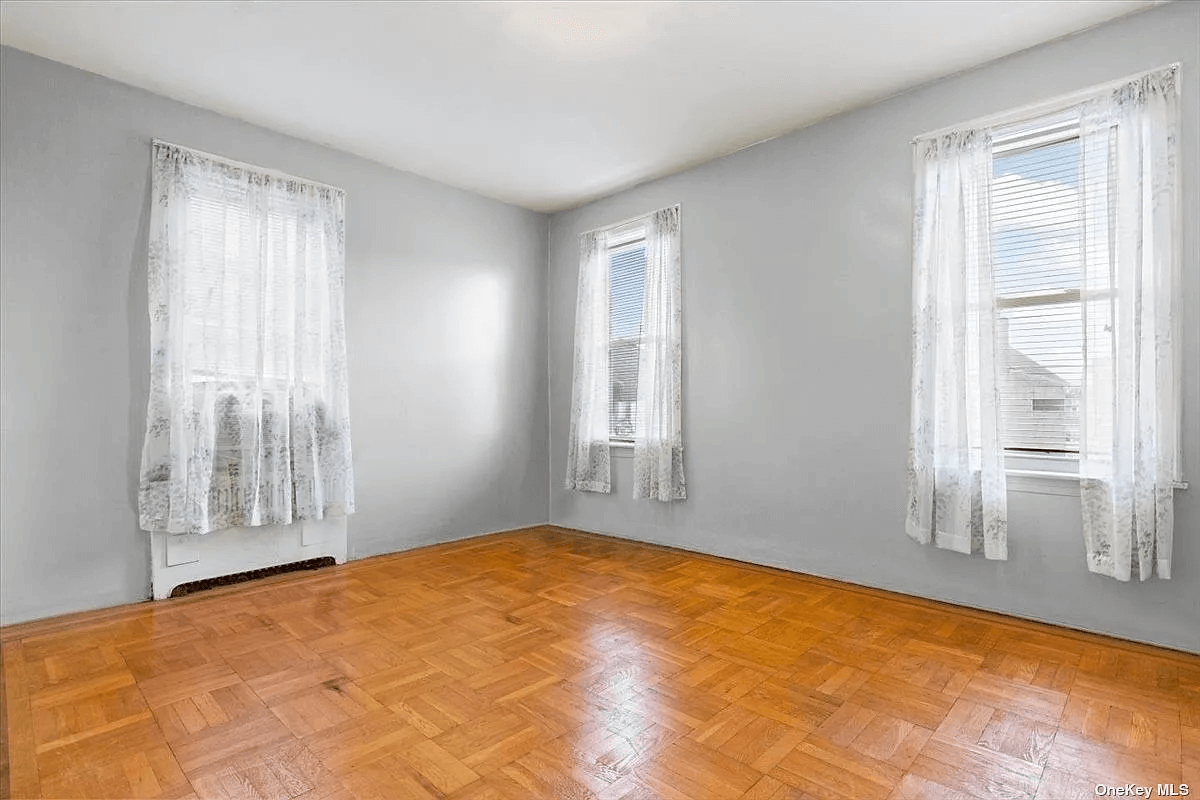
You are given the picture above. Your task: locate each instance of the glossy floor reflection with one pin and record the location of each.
(549, 664)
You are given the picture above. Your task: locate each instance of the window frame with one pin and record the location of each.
(620, 238)
(1040, 471)
(221, 375)
(1048, 474)
(288, 227)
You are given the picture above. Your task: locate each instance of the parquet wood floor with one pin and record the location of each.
(555, 665)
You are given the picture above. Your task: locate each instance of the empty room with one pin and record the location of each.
(679, 399)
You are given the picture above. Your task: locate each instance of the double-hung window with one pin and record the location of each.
(234, 315)
(626, 386)
(1046, 260)
(248, 418)
(627, 276)
(1037, 240)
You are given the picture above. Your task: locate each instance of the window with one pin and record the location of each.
(1048, 404)
(238, 317)
(1046, 251)
(627, 276)
(626, 377)
(248, 419)
(1037, 262)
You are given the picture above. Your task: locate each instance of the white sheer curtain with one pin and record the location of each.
(658, 436)
(588, 464)
(1129, 439)
(956, 486)
(248, 419)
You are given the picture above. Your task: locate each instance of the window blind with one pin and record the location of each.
(627, 271)
(1037, 261)
(231, 317)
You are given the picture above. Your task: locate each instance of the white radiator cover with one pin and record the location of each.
(181, 558)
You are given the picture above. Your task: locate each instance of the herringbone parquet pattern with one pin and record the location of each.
(553, 665)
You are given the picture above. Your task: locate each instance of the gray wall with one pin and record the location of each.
(796, 336)
(797, 319)
(446, 318)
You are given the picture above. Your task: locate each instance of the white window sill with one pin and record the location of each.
(1047, 474)
(621, 449)
(1042, 482)
(1034, 473)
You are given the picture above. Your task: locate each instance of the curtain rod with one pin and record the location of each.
(247, 166)
(1058, 103)
(624, 221)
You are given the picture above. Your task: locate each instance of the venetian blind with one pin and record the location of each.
(1037, 260)
(235, 316)
(627, 273)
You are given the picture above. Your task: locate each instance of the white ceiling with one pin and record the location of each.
(542, 104)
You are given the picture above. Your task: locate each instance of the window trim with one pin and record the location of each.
(1035, 133)
(624, 237)
(620, 448)
(1039, 471)
(627, 234)
(1042, 472)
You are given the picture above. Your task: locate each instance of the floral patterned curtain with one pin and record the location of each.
(956, 484)
(1129, 438)
(658, 436)
(588, 458)
(248, 418)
